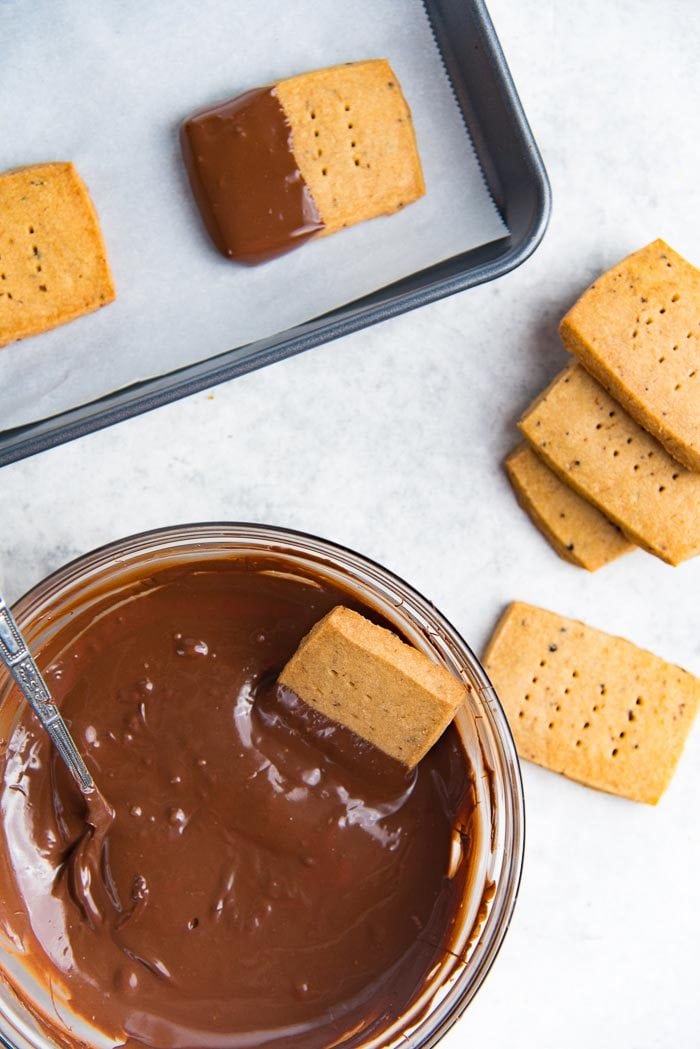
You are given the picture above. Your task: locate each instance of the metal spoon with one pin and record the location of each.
(15, 655)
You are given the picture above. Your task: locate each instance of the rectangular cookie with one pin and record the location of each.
(588, 705)
(279, 165)
(53, 263)
(365, 677)
(578, 532)
(353, 140)
(591, 442)
(637, 330)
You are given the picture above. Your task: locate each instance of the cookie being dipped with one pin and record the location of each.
(364, 677)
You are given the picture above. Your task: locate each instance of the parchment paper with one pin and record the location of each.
(107, 84)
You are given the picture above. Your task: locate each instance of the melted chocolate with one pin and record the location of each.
(265, 877)
(245, 179)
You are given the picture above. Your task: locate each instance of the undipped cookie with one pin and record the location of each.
(637, 330)
(53, 263)
(588, 705)
(578, 532)
(591, 442)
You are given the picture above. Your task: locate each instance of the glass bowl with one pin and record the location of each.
(82, 589)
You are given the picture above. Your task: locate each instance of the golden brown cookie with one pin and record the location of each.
(53, 263)
(578, 532)
(353, 140)
(365, 677)
(591, 442)
(637, 330)
(588, 705)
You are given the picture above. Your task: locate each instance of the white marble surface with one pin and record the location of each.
(390, 442)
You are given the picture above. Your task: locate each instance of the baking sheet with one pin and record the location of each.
(106, 86)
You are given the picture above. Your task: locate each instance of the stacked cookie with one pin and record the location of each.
(612, 458)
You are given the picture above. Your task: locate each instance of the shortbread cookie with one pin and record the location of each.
(354, 142)
(591, 706)
(591, 442)
(578, 532)
(302, 158)
(53, 263)
(363, 676)
(637, 330)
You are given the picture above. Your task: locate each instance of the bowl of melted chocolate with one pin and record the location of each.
(268, 878)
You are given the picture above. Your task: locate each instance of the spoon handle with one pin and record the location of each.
(15, 655)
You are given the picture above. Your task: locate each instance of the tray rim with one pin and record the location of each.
(144, 396)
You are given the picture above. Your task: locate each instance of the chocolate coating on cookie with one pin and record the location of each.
(245, 179)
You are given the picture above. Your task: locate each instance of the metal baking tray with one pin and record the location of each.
(515, 175)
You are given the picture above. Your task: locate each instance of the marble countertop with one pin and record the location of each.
(390, 441)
